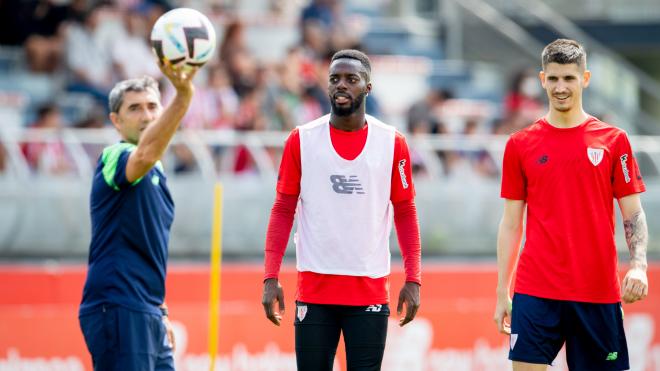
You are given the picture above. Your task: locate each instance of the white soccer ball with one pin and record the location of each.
(184, 37)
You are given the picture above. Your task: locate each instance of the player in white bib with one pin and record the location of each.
(347, 176)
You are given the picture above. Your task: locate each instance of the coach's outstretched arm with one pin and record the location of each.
(635, 285)
(509, 236)
(153, 142)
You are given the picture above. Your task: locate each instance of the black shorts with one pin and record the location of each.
(318, 327)
(593, 333)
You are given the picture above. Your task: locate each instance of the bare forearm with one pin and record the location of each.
(637, 236)
(508, 240)
(156, 137)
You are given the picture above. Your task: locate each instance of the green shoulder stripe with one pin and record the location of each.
(110, 158)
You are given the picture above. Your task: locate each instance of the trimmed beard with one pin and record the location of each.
(355, 105)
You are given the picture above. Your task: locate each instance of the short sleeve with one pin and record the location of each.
(514, 185)
(626, 178)
(114, 160)
(290, 173)
(402, 181)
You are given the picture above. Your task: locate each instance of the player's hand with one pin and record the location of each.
(502, 316)
(273, 293)
(409, 294)
(170, 332)
(180, 76)
(635, 286)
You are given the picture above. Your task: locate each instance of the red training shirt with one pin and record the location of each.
(339, 289)
(569, 178)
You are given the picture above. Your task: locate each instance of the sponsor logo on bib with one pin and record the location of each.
(343, 185)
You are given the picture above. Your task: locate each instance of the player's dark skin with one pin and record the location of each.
(348, 85)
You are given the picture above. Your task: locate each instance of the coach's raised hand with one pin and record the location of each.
(273, 293)
(180, 76)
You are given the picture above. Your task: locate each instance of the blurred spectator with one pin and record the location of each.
(322, 11)
(43, 46)
(21, 19)
(39, 27)
(327, 17)
(297, 96)
(314, 39)
(523, 104)
(131, 51)
(422, 115)
(482, 163)
(88, 59)
(233, 40)
(249, 115)
(237, 58)
(215, 105)
(48, 156)
(221, 99)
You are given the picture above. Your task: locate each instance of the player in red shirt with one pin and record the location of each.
(344, 175)
(565, 170)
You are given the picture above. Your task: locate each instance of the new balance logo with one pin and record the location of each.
(374, 308)
(612, 356)
(346, 186)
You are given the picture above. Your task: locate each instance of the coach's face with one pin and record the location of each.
(348, 85)
(138, 110)
(564, 84)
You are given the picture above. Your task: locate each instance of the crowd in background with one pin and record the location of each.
(87, 46)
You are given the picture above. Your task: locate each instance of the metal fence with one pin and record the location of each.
(45, 213)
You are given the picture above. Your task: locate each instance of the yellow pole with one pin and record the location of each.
(216, 260)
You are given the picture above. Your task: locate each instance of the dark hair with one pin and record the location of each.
(116, 96)
(354, 54)
(46, 109)
(564, 51)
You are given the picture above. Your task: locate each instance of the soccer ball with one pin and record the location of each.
(184, 37)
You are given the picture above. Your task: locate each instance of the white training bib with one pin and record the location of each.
(344, 211)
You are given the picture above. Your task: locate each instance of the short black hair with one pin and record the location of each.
(354, 54)
(564, 51)
(46, 109)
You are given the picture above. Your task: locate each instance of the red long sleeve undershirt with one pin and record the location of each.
(281, 222)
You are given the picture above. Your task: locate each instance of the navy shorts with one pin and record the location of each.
(126, 340)
(593, 333)
(318, 327)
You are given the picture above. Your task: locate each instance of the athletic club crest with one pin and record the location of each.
(595, 155)
(302, 312)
